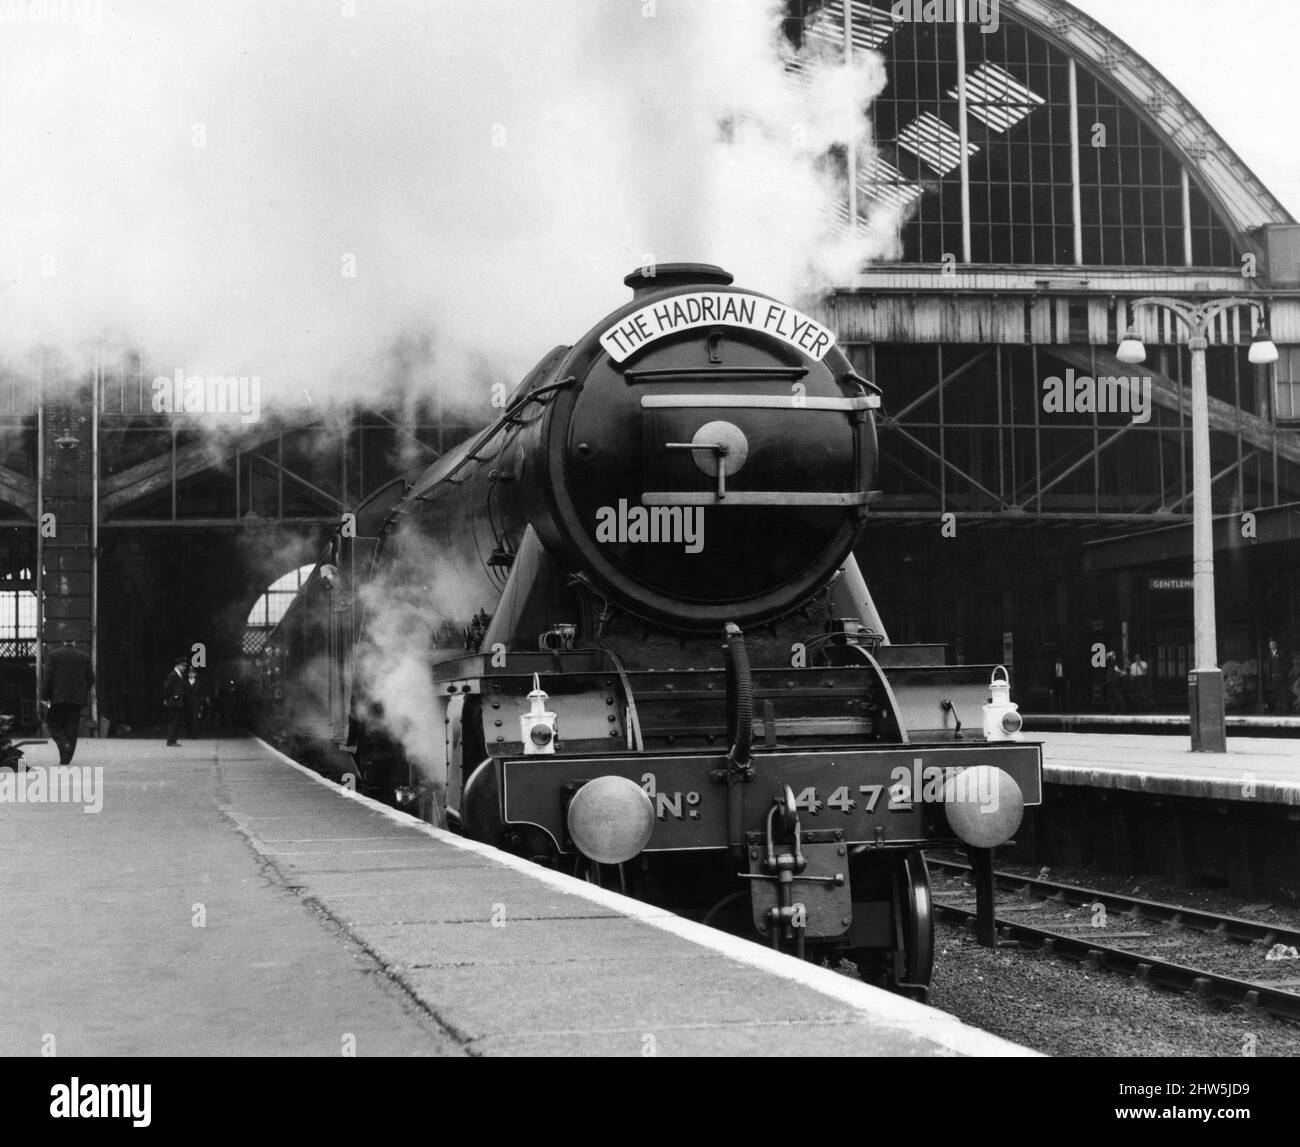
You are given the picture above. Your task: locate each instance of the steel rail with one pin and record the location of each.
(1146, 968)
(1232, 926)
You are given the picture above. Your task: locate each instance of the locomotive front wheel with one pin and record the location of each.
(914, 914)
(908, 968)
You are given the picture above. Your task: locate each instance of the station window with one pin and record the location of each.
(17, 622)
(1018, 150)
(1173, 652)
(272, 606)
(1288, 385)
(1042, 619)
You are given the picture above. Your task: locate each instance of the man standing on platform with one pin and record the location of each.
(1138, 676)
(1277, 683)
(65, 689)
(1058, 685)
(1116, 685)
(195, 702)
(175, 693)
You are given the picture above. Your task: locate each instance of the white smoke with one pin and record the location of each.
(416, 605)
(387, 202)
(289, 191)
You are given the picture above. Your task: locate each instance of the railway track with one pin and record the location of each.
(1145, 927)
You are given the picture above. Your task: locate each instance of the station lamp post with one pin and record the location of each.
(1205, 683)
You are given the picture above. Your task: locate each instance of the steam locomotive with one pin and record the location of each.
(663, 670)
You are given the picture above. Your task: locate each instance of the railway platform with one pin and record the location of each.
(1258, 769)
(1145, 803)
(219, 899)
(1236, 724)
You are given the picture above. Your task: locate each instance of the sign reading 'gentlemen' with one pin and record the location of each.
(708, 308)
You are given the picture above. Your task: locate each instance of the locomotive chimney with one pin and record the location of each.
(660, 277)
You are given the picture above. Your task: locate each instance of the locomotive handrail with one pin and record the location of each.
(856, 407)
(633, 718)
(756, 498)
(663, 374)
(758, 402)
(532, 395)
(853, 378)
(489, 432)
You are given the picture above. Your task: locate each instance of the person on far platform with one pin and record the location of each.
(1277, 683)
(65, 689)
(1117, 685)
(1058, 685)
(174, 692)
(1139, 678)
(196, 702)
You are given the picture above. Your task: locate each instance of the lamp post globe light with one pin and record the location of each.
(1131, 350)
(1262, 349)
(1205, 683)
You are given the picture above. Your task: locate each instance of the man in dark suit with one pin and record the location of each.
(1277, 683)
(196, 702)
(65, 689)
(175, 693)
(1058, 685)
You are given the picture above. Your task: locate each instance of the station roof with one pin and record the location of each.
(1273, 526)
(1001, 102)
(1248, 203)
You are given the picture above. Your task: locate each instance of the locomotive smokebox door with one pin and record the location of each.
(800, 885)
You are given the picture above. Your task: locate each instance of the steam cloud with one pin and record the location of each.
(386, 201)
(409, 608)
(200, 181)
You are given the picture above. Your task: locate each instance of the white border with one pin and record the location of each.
(887, 1009)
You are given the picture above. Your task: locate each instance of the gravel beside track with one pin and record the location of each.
(1061, 1007)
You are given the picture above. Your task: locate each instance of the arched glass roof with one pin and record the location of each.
(1072, 150)
(274, 603)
